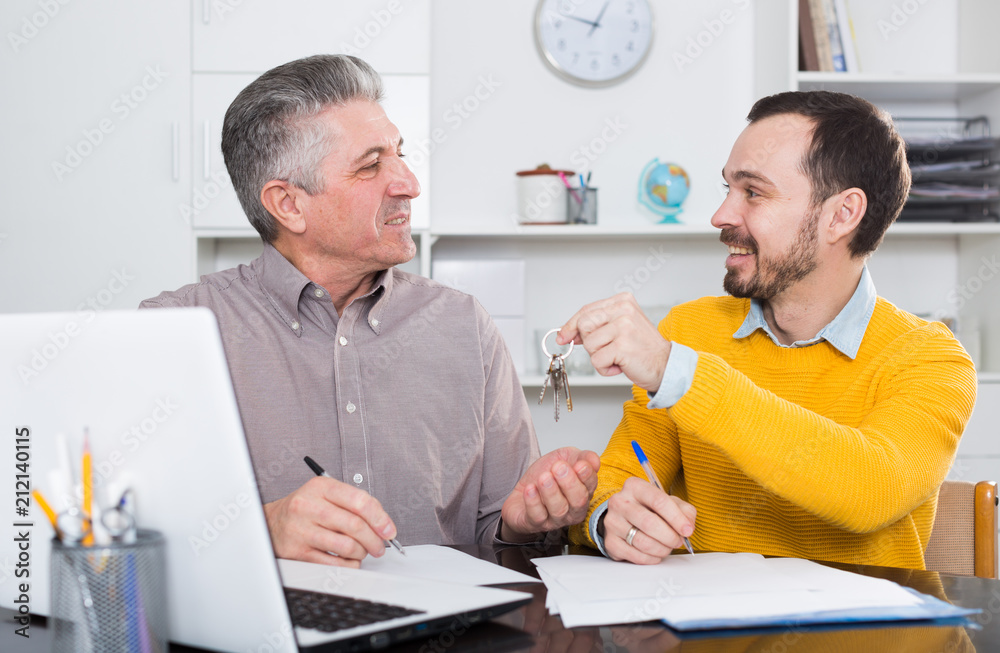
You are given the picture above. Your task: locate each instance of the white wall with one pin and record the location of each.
(689, 116)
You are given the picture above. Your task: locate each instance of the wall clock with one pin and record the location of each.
(594, 43)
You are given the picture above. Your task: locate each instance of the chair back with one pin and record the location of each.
(964, 538)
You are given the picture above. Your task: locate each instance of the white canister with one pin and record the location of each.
(541, 196)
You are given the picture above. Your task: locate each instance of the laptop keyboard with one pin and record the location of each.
(329, 612)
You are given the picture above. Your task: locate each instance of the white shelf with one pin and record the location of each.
(943, 228)
(580, 381)
(582, 231)
(899, 88)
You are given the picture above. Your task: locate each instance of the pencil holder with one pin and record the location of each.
(107, 599)
(581, 206)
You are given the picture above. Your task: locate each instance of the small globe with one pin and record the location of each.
(663, 187)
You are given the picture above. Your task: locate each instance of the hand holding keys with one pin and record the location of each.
(557, 375)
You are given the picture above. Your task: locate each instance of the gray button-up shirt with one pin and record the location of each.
(410, 395)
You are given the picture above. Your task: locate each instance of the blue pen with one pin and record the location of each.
(651, 475)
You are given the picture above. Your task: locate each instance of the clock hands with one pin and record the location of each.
(597, 21)
(582, 20)
(594, 24)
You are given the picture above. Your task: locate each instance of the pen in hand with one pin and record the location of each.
(319, 471)
(651, 475)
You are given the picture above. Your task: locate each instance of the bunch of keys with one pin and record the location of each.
(557, 375)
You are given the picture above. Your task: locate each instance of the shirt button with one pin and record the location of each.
(319, 292)
(351, 407)
(358, 478)
(374, 322)
(295, 326)
(343, 341)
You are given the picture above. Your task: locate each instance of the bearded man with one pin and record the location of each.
(803, 415)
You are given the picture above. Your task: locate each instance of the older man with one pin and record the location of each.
(804, 415)
(402, 389)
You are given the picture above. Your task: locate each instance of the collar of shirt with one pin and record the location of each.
(284, 285)
(846, 330)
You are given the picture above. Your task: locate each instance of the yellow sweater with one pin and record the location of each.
(803, 452)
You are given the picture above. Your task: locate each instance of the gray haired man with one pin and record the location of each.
(402, 389)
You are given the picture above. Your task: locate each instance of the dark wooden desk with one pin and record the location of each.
(531, 629)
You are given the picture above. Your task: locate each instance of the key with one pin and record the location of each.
(555, 371)
(565, 386)
(545, 384)
(556, 376)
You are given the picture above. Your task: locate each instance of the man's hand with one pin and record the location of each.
(663, 522)
(554, 492)
(325, 517)
(619, 338)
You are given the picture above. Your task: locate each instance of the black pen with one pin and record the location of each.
(319, 471)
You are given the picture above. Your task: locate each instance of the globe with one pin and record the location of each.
(663, 187)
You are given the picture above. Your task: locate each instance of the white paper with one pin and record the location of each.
(591, 591)
(442, 563)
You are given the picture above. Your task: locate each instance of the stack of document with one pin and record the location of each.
(725, 590)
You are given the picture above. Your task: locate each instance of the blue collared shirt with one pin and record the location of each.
(844, 333)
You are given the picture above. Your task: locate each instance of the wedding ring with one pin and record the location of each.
(631, 534)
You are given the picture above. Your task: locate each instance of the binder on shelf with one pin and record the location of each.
(847, 42)
(955, 165)
(822, 36)
(833, 30)
(808, 56)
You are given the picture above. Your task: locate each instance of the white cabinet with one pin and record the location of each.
(96, 154)
(213, 201)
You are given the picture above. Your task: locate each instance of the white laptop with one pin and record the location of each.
(154, 391)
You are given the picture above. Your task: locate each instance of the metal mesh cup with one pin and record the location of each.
(112, 598)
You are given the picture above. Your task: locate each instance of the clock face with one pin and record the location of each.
(594, 42)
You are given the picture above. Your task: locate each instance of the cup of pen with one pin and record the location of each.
(581, 205)
(110, 598)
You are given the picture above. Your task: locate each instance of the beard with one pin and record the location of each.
(774, 275)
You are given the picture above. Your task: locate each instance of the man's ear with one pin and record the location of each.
(283, 201)
(846, 209)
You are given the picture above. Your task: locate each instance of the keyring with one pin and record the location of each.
(562, 355)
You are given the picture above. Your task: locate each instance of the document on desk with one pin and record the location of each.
(725, 590)
(445, 564)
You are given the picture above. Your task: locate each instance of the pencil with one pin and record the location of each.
(88, 488)
(47, 509)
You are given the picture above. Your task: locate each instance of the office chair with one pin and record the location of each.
(964, 537)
